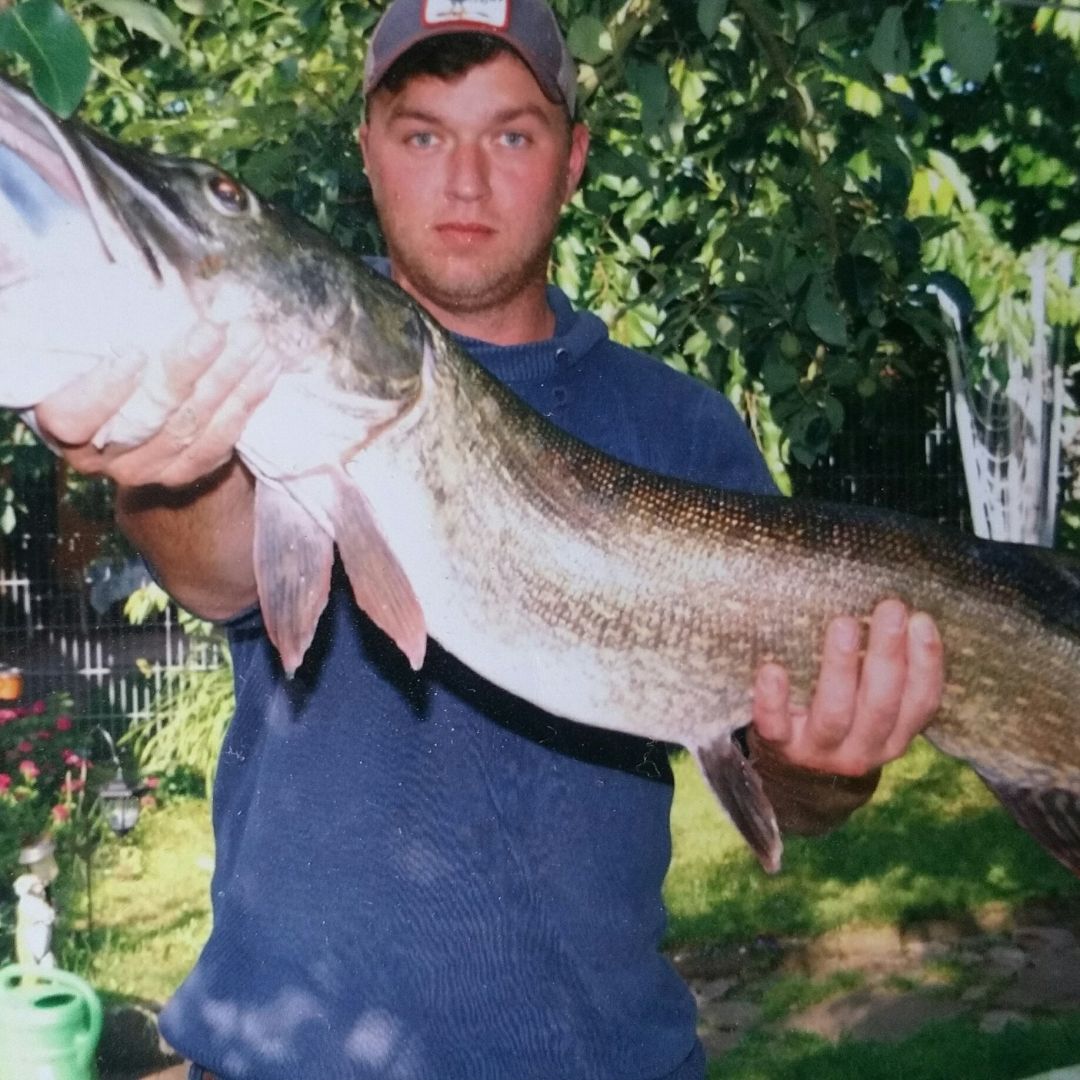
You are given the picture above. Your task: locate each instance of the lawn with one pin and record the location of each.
(932, 845)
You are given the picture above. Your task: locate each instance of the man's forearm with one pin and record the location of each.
(198, 539)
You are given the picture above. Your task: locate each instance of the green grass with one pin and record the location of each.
(151, 900)
(952, 1050)
(933, 843)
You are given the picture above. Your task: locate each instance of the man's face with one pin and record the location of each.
(469, 176)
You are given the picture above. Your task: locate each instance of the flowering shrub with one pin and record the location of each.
(40, 774)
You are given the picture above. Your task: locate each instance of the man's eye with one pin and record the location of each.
(515, 138)
(421, 139)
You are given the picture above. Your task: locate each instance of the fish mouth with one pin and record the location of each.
(50, 168)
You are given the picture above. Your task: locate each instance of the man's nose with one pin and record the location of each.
(468, 174)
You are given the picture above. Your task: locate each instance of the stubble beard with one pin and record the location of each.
(486, 286)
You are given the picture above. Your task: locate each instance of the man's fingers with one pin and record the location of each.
(75, 414)
(832, 708)
(883, 676)
(924, 684)
(201, 432)
(772, 703)
(216, 443)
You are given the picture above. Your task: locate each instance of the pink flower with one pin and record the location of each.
(148, 802)
(9, 714)
(25, 746)
(61, 813)
(71, 758)
(43, 735)
(5, 781)
(71, 785)
(151, 782)
(36, 709)
(29, 769)
(63, 723)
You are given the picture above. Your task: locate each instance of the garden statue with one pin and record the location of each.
(34, 915)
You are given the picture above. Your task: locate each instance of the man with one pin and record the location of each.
(419, 876)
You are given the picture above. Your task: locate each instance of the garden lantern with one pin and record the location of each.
(119, 804)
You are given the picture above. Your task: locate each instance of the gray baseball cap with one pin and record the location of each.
(528, 26)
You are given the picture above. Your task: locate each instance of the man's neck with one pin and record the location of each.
(526, 318)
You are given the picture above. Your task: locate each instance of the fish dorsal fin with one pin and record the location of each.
(1050, 814)
(739, 789)
(294, 556)
(380, 585)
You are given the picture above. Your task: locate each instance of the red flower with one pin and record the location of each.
(63, 723)
(37, 708)
(71, 758)
(29, 769)
(43, 735)
(25, 746)
(61, 813)
(71, 785)
(5, 781)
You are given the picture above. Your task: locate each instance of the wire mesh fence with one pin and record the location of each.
(52, 631)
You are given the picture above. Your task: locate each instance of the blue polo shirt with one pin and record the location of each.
(419, 876)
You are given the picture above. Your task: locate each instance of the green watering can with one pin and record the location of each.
(50, 1023)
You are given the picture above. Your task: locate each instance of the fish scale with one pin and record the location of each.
(600, 592)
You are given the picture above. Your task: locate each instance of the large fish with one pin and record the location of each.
(600, 592)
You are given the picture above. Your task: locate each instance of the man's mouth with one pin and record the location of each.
(464, 230)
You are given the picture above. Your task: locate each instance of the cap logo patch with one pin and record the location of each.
(491, 13)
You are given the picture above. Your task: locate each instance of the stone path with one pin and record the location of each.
(887, 983)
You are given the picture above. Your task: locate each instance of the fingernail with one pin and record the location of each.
(845, 634)
(204, 338)
(893, 615)
(245, 336)
(923, 629)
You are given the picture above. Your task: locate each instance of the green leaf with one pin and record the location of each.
(709, 14)
(585, 39)
(778, 376)
(46, 36)
(824, 316)
(968, 40)
(146, 19)
(200, 7)
(650, 83)
(889, 51)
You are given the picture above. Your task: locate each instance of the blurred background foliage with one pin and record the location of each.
(771, 183)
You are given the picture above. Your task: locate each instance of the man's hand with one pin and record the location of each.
(866, 709)
(210, 388)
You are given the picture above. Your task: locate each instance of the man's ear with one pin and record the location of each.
(579, 153)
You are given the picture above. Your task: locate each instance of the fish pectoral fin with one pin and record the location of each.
(1051, 815)
(294, 556)
(738, 787)
(380, 585)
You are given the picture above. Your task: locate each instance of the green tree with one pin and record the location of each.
(771, 184)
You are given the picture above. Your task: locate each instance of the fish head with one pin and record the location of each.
(137, 241)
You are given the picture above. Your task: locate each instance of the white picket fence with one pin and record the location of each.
(112, 670)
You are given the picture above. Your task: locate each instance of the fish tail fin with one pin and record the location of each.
(738, 787)
(294, 556)
(379, 583)
(1050, 814)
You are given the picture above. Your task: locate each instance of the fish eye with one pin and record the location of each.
(227, 195)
